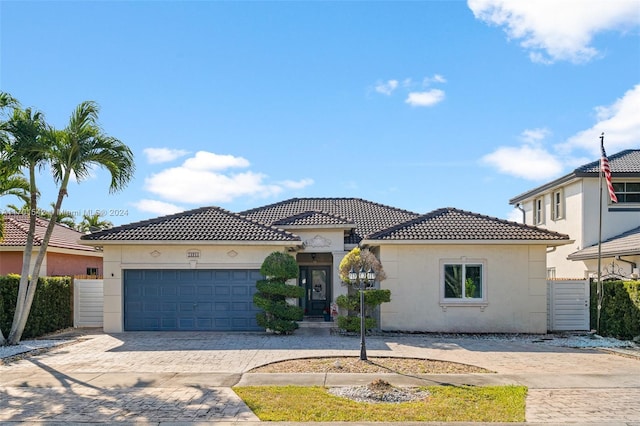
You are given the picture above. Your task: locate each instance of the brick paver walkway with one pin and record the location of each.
(186, 377)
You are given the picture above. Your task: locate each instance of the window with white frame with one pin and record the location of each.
(538, 211)
(627, 192)
(463, 281)
(558, 205)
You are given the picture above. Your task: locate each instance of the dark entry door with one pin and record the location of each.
(317, 283)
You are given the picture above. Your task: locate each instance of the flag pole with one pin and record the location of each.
(599, 283)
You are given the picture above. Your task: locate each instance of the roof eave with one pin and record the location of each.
(548, 243)
(570, 178)
(286, 243)
(591, 256)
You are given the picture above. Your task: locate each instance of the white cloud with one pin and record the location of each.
(163, 155)
(157, 207)
(620, 123)
(553, 30)
(387, 88)
(200, 180)
(529, 161)
(437, 78)
(425, 99)
(534, 135)
(204, 160)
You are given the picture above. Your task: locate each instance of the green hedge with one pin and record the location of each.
(51, 309)
(620, 314)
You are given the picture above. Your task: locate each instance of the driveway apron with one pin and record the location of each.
(187, 377)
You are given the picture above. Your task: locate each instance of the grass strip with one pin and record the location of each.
(445, 404)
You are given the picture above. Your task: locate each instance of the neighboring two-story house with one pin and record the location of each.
(570, 205)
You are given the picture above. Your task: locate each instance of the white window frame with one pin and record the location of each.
(538, 211)
(481, 302)
(557, 204)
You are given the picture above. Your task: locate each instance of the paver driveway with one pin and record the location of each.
(182, 377)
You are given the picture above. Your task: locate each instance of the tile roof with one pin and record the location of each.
(367, 216)
(627, 243)
(453, 224)
(16, 227)
(627, 161)
(202, 224)
(623, 164)
(313, 218)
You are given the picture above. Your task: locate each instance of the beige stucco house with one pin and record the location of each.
(571, 205)
(448, 270)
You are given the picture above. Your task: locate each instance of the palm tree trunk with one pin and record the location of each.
(18, 326)
(26, 259)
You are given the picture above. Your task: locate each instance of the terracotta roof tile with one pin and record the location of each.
(453, 224)
(203, 224)
(16, 227)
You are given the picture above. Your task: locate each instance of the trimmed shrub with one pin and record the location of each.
(372, 299)
(620, 314)
(51, 309)
(278, 316)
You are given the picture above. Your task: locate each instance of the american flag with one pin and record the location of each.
(604, 167)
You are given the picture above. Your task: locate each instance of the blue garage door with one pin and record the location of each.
(186, 300)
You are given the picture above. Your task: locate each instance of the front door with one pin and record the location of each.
(317, 283)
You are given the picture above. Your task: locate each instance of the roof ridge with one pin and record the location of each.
(439, 212)
(185, 214)
(314, 211)
(298, 199)
(139, 223)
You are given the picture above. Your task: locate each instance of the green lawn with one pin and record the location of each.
(446, 403)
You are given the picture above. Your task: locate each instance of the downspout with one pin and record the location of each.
(524, 217)
(633, 264)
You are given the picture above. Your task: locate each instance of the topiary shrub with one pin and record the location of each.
(351, 303)
(278, 316)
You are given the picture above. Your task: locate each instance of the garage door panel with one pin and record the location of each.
(217, 300)
(223, 290)
(203, 290)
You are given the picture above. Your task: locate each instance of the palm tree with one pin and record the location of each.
(15, 185)
(11, 182)
(74, 150)
(24, 147)
(92, 222)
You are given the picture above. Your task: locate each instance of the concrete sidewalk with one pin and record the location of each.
(168, 378)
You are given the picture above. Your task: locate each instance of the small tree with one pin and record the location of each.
(358, 259)
(273, 292)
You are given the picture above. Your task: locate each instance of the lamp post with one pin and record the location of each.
(362, 277)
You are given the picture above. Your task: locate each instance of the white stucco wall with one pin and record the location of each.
(516, 289)
(581, 222)
(119, 257)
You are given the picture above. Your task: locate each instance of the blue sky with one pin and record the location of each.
(416, 104)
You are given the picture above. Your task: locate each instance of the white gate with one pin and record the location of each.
(568, 305)
(88, 302)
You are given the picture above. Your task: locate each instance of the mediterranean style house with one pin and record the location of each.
(65, 255)
(448, 270)
(570, 205)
